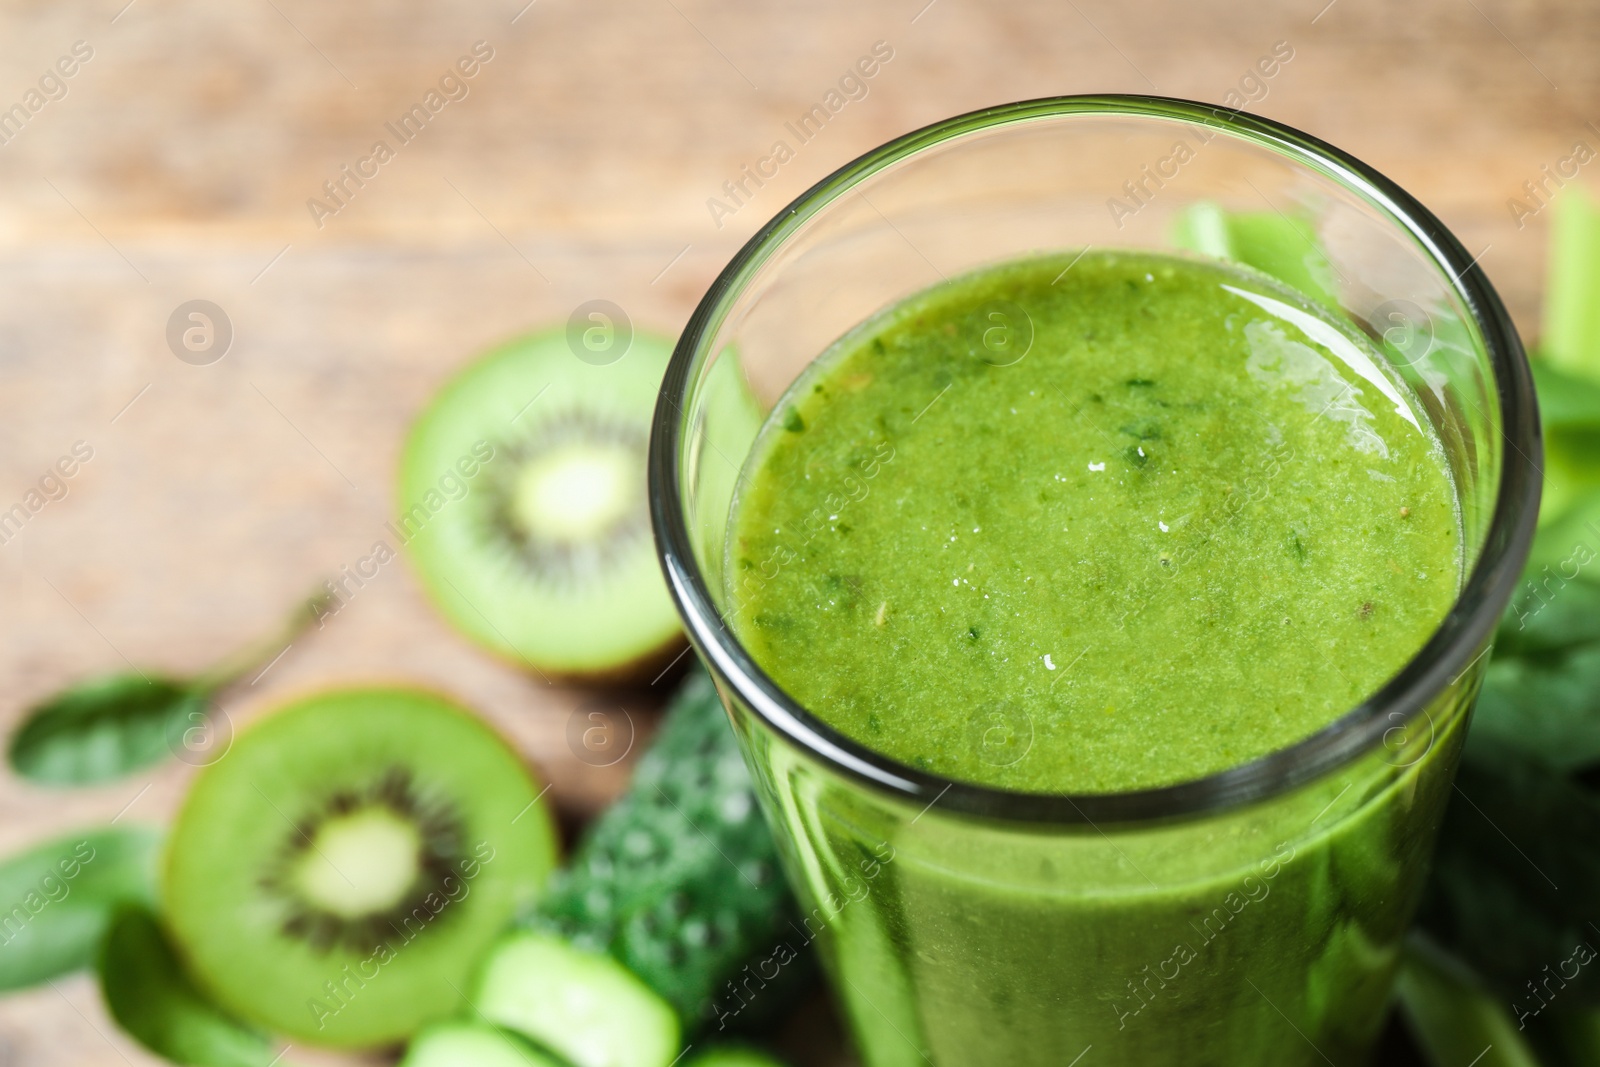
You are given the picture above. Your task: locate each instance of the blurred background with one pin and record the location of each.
(186, 159)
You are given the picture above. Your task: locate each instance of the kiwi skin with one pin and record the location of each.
(645, 670)
(193, 905)
(642, 671)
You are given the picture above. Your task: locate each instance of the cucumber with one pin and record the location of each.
(679, 879)
(461, 1044)
(581, 1005)
(672, 892)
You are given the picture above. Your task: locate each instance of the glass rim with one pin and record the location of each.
(1448, 653)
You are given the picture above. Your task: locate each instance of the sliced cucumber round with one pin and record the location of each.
(584, 1006)
(465, 1044)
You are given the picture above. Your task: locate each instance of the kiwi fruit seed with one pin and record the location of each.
(523, 508)
(337, 875)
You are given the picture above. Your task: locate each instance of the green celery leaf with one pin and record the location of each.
(1455, 1020)
(1557, 617)
(1569, 409)
(1566, 401)
(1547, 707)
(1516, 876)
(151, 998)
(1557, 605)
(1287, 248)
(1283, 246)
(1571, 470)
(1568, 547)
(1541, 693)
(57, 898)
(1574, 1035)
(105, 728)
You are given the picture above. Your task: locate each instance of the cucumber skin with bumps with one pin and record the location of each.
(680, 879)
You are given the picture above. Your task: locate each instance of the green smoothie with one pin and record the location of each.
(1092, 525)
(1089, 524)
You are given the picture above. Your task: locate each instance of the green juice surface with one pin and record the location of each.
(1092, 524)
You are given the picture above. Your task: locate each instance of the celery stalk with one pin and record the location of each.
(1283, 246)
(1572, 291)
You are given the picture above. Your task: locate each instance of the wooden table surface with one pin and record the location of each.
(180, 160)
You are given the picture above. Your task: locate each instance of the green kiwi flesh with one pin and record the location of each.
(523, 508)
(339, 872)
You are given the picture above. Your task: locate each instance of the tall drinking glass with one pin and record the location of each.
(1253, 917)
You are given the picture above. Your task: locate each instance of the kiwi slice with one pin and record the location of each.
(339, 873)
(522, 505)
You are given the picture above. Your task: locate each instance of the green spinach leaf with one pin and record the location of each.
(57, 898)
(105, 728)
(1517, 875)
(150, 996)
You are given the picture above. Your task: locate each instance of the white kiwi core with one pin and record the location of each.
(576, 492)
(360, 863)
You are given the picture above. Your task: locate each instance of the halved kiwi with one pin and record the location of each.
(337, 875)
(522, 504)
